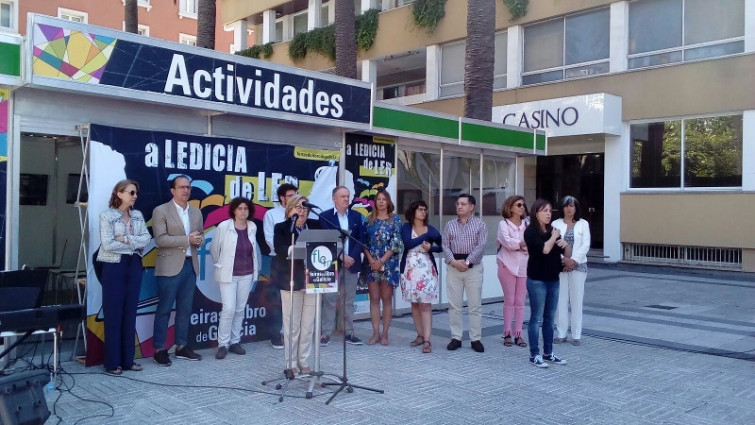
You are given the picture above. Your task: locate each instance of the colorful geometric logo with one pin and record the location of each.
(70, 54)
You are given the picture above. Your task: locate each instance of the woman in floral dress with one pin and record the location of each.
(419, 274)
(381, 253)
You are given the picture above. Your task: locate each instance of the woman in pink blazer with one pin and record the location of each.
(512, 267)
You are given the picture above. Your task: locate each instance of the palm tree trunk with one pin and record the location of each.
(346, 39)
(206, 24)
(479, 60)
(131, 16)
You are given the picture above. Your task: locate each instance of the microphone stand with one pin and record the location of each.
(288, 373)
(342, 380)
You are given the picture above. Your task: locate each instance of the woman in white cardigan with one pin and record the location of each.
(576, 232)
(236, 256)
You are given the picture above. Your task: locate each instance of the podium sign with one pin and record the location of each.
(322, 267)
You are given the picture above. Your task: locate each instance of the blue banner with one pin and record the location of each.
(220, 169)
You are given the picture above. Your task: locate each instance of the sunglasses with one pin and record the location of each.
(132, 192)
(519, 204)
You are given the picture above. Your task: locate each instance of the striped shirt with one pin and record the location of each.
(465, 238)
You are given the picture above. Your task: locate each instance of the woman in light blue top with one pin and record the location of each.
(123, 234)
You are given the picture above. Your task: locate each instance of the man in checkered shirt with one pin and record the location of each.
(464, 240)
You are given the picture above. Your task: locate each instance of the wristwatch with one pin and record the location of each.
(466, 262)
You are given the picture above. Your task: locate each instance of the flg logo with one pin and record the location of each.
(322, 258)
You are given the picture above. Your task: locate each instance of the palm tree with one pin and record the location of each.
(131, 16)
(479, 60)
(346, 39)
(206, 24)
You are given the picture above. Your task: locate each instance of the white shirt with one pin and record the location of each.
(343, 222)
(183, 213)
(272, 217)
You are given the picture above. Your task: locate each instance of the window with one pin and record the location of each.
(73, 15)
(189, 8)
(300, 22)
(191, 40)
(142, 29)
(142, 3)
(7, 18)
(324, 19)
(569, 47)
(279, 30)
(452, 59)
(670, 31)
(688, 153)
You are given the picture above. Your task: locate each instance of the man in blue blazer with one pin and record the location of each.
(349, 265)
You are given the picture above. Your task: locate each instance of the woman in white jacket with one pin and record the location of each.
(576, 232)
(236, 256)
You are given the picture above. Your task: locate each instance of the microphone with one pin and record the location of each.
(293, 222)
(310, 205)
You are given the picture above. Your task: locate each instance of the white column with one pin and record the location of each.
(616, 167)
(369, 71)
(365, 6)
(268, 26)
(749, 26)
(619, 36)
(515, 37)
(332, 12)
(432, 72)
(313, 14)
(748, 150)
(240, 35)
(387, 4)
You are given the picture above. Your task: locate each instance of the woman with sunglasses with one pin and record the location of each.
(576, 231)
(545, 246)
(123, 235)
(512, 267)
(236, 255)
(298, 307)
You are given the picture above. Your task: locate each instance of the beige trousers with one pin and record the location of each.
(458, 283)
(302, 326)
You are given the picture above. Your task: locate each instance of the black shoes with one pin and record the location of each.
(161, 358)
(221, 353)
(186, 353)
(237, 349)
(454, 344)
(277, 341)
(477, 346)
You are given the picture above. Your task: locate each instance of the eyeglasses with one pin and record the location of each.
(423, 209)
(519, 204)
(300, 208)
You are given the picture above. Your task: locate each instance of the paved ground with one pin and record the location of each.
(690, 359)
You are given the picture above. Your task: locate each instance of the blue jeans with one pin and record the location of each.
(543, 304)
(178, 289)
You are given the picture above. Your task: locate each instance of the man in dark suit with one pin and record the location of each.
(349, 263)
(177, 227)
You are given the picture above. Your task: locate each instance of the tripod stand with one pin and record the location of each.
(342, 380)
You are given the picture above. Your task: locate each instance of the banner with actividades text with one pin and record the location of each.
(219, 169)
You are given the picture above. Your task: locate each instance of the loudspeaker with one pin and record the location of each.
(22, 399)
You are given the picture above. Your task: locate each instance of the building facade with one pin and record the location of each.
(649, 107)
(167, 20)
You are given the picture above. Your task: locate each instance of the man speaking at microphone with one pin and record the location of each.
(349, 263)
